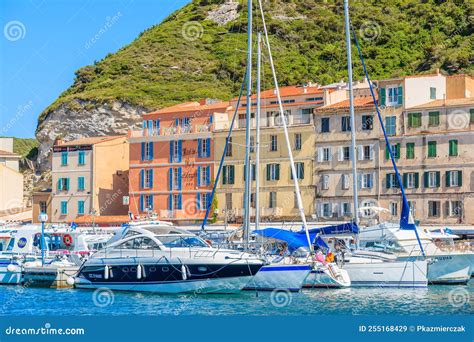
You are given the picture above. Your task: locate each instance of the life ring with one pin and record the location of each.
(67, 239)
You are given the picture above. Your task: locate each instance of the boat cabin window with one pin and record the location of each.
(181, 241)
(139, 243)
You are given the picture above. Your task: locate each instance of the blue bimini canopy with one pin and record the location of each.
(345, 228)
(293, 239)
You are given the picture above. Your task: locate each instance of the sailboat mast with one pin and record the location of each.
(352, 116)
(247, 128)
(285, 130)
(257, 133)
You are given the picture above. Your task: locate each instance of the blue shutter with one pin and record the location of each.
(180, 177)
(170, 179)
(198, 176)
(144, 124)
(180, 199)
(176, 122)
(208, 175)
(198, 201)
(151, 201)
(171, 151)
(170, 202)
(143, 151)
(150, 151)
(208, 147)
(400, 95)
(199, 148)
(142, 203)
(150, 124)
(151, 178)
(60, 184)
(67, 184)
(157, 123)
(211, 119)
(142, 178)
(180, 151)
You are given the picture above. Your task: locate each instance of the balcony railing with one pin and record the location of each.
(170, 131)
(275, 121)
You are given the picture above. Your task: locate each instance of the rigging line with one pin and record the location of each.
(221, 163)
(285, 130)
(388, 146)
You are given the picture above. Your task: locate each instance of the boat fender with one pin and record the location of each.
(143, 271)
(70, 281)
(11, 268)
(106, 272)
(183, 272)
(67, 239)
(139, 271)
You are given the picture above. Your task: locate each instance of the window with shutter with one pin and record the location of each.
(453, 148)
(410, 153)
(433, 119)
(432, 149)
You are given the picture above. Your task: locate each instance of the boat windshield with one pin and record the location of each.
(174, 241)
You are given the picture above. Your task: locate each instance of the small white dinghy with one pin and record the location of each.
(327, 276)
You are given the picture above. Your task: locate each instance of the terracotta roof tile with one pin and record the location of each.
(359, 102)
(191, 107)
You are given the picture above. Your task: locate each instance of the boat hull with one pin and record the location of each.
(168, 278)
(279, 277)
(447, 268)
(410, 274)
(322, 278)
(10, 277)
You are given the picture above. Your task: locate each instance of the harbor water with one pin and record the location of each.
(434, 300)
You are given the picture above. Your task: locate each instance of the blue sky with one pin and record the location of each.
(43, 42)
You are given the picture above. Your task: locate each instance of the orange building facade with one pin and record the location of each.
(172, 161)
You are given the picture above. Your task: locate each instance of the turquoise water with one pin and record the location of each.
(435, 300)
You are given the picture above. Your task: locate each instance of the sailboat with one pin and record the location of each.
(372, 269)
(443, 267)
(281, 275)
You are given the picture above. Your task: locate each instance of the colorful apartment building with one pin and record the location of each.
(432, 132)
(277, 194)
(430, 120)
(172, 161)
(89, 177)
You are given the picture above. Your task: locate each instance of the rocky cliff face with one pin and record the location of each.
(79, 118)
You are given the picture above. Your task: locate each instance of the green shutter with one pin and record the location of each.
(426, 179)
(382, 96)
(448, 178)
(471, 119)
(405, 179)
(388, 181)
(387, 153)
(438, 179)
(453, 148)
(277, 171)
(410, 153)
(460, 178)
(400, 95)
(232, 173)
(224, 175)
(397, 151)
(268, 172)
(417, 180)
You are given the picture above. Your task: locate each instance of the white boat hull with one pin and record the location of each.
(279, 277)
(13, 276)
(448, 268)
(206, 286)
(321, 277)
(388, 274)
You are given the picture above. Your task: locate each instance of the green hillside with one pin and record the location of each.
(27, 148)
(164, 66)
